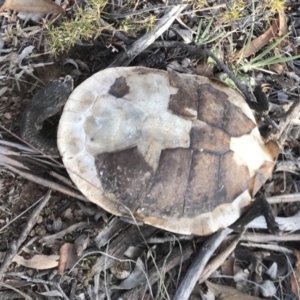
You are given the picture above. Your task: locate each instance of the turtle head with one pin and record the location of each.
(51, 99)
(56, 93)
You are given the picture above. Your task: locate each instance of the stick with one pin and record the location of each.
(127, 56)
(15, 245)
(198, 51)
(188, 283)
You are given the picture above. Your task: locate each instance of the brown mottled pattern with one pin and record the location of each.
(191, 181)
(126, 180)
(236, 123)
(211, 105)
(184, 102)
(201, 190)
(169, 183)
(173, 150)
(120, 88)
(183, 187)
(233, 178)
(215, 109)
(209, 138)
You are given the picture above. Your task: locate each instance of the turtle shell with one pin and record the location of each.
(176, 151)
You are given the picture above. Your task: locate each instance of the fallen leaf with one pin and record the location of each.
(227, 292)
(258, 43)
(227, 270)
(35, 17)
(186, 34)
(283, 29)
(25, 52)
(268, 288)
(277, 68)
(7, 116)
(39, 261)
(295, 276)
(33, 6)
(287, 166)
(68, 257)
(53, 293)
(81, 243)
(205, 69)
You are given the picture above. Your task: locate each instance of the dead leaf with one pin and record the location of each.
(186, 34)
(39, 261)
(81, 243)
(35, 17)
(259, 42)
(227, 292)
(277, 68)
(268, 288)
(283, 29)
(227, 270)
(53, 293)
(33, 6)
(68, 257)
(218, 260)
(287, 166)
(295, 276)
(205, 69)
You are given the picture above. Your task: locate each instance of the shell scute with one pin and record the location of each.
(122, 178)
(185, 101)
(173, 170)
(209, 138)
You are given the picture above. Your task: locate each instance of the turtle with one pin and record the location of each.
(44, 104)
(180, 152)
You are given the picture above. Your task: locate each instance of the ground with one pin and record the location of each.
(64, 247)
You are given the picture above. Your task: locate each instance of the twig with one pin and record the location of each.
(284, 198)
(21, 214)
(117, 33)
(16, 290)
(196, 51)
(260, 207)
(188, 283)
(265, 238)
(63, 179)
(15, 245)
(169, 239)
(286, 120)
(271, 247)
(285, 224)
(217, 261)
(114, 16)
(41, 281)
(48, 240)
(18, 146)
(164, 265)
(47, 183)
(124, 58)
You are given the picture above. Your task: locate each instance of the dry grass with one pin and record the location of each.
(224, 29)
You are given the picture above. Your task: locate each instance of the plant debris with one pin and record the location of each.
(59, 245)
